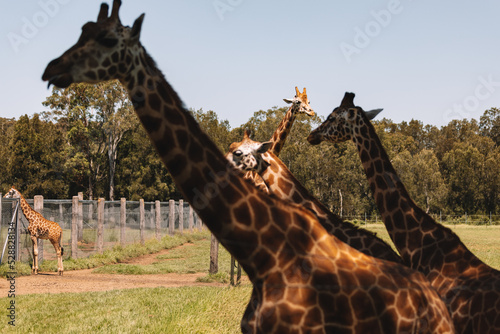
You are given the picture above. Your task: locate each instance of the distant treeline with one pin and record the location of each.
(90, 140)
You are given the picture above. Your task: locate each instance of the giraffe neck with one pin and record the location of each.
(282, 183)
(28, 211)
(279, 136)
(216, 191)
(422, 243)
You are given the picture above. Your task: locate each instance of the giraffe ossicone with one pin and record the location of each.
(302, 278)
(40, 228)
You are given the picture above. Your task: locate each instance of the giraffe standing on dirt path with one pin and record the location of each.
(469, 287)
(40, 228)
(305, 281)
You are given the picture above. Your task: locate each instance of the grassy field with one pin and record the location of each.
(191, 258)
(156, 310)
(482, 240)
(175, 310)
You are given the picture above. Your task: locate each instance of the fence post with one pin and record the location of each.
(171, 217)
(38, 204)
(18, 232)
(238, 274)
(158, 219)
(2, 212)
(123, 219)
(80, 213)
(74, 227)
(214, 254)
(181, 216)
(191, 219)
(231, 271)
(141, 220)
(199, 223)
(100, 225)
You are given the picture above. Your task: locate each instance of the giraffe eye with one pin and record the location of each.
(237, 153)
(107, 42)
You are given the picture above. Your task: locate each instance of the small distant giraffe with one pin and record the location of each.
(300, 104)
(40, 228)
(470, 288)
(279, 181)
(304, 280)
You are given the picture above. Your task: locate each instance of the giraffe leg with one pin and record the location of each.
(34, 270)
(59, 251)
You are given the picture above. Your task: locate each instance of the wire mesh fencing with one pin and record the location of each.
(91, 227)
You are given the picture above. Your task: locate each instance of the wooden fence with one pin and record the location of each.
(92, 226)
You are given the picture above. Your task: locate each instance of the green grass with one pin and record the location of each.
(482, 240)
(175, 310)
(183, 260)
(117, 254)
(155, 310)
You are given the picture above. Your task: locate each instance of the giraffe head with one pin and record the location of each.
(300, 103)
(103, 51)
(13, 193)
(246, 154)
(343, 123)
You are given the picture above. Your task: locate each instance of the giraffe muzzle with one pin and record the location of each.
(314, 139)
(57, 73)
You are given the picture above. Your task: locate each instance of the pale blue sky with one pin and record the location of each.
(427, 60)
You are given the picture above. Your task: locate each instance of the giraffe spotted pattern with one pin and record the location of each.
(304, 280)
(40, 228)
(469, 287)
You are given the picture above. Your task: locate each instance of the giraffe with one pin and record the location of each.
(40, 228)
(304, 280)
(470, 288)
(254, 156)
(300, 104)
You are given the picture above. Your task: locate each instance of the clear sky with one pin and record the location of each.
(418, 59)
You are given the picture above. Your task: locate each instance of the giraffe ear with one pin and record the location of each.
(371, 114)
(264, 147)
(136, 29)
(288, 101)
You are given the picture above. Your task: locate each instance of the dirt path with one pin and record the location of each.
(85, 280)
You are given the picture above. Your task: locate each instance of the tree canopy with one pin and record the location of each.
(89, 140)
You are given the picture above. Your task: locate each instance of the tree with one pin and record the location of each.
(463, 166)
(6, 130)
(422, 178)
(36, 161)
(140, 173)
(95, 118)
(116, 114)
(218, 130)
(489, 125)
